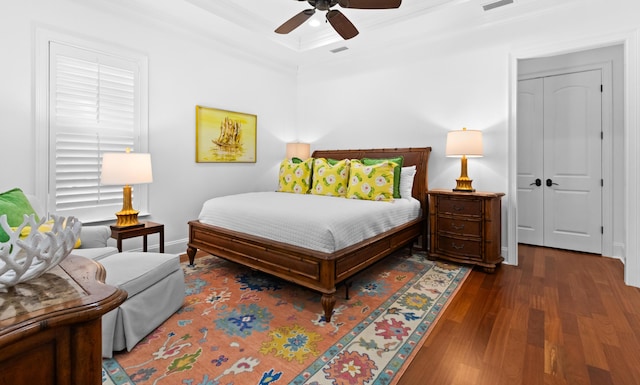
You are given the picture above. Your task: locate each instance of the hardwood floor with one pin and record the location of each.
(557, 318)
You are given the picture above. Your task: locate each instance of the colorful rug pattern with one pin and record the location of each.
(240, 326)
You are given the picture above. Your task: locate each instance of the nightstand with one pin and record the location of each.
(466, 227)
(149, 228)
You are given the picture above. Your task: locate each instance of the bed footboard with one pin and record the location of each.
(318, 271)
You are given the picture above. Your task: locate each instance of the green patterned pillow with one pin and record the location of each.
(14, 204)
(295, 177)
(399, 161)
(330, 179)
(371, 182)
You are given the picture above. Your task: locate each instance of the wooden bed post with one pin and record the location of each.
(328, 301)
(191, 252)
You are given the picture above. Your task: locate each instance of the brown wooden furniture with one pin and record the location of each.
(466, 227)
(119, 233)
(312, 269)
(50, 326)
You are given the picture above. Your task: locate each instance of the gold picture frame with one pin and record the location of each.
(225, 136)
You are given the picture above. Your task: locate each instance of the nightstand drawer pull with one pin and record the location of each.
(457, 227)
(458, 208)
(457, 247)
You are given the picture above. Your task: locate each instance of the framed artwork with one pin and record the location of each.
(225, 136)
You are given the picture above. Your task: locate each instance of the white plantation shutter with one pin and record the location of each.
(94, 107)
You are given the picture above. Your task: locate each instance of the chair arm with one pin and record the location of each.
(94, 236)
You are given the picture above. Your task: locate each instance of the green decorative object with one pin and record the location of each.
(15, 205)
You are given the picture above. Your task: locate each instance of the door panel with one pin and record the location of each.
(530, 154)
(572, 160)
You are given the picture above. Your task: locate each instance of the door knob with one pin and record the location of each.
(550, 183)
(538, 182)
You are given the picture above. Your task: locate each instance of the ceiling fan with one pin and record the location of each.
(337, 19)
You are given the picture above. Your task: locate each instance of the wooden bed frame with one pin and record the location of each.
(316, 270)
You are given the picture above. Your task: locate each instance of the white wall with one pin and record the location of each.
(411, 94)
(184, 71)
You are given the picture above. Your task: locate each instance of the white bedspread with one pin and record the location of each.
(315, 222)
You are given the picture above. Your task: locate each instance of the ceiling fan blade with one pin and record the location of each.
(295, 21)
(341, 24)
(370, 4)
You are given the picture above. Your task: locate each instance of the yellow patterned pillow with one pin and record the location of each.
(295, 177)
(373, 182)
(330, 179)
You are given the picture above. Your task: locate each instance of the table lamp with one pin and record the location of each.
(126, 168)
(464, 143)
(298, 150)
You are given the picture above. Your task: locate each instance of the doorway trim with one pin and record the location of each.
(630, 41)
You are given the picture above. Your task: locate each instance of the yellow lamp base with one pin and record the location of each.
(463, 183)
(127, 217)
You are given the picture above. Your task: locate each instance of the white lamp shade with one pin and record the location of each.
(298, 150)
(120, 168)
(464, 142)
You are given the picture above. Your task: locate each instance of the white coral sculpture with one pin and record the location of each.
(29, 257)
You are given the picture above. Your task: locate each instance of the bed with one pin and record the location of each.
(321, 271)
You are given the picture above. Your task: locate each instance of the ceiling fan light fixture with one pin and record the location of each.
(337, 19)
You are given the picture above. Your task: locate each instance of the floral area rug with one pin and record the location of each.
(243, 327)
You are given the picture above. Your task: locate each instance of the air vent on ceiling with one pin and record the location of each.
(489, 5)
(339, 49)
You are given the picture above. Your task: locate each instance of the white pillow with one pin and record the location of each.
(406, 181)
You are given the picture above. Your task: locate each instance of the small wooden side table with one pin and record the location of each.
(119, 234)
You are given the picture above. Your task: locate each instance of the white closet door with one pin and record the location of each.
(573, 161)
(559, 143)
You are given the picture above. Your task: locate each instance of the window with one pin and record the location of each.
(95, 103)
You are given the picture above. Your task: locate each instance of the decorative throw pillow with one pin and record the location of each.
(330, 179)
(407, 174)
(14, 204)
(371, 182)
(295, 177)
(45, 227)
(396, 171)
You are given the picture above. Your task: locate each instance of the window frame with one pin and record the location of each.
(44, 158)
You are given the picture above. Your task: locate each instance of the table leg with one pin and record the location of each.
(119, 244)
(162, 241)
(144, 243)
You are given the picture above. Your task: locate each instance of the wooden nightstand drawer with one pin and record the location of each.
(466, 248)
(456, 225)
(470, 207)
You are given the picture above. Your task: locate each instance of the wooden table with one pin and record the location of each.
(119, 233)
(50, 326)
